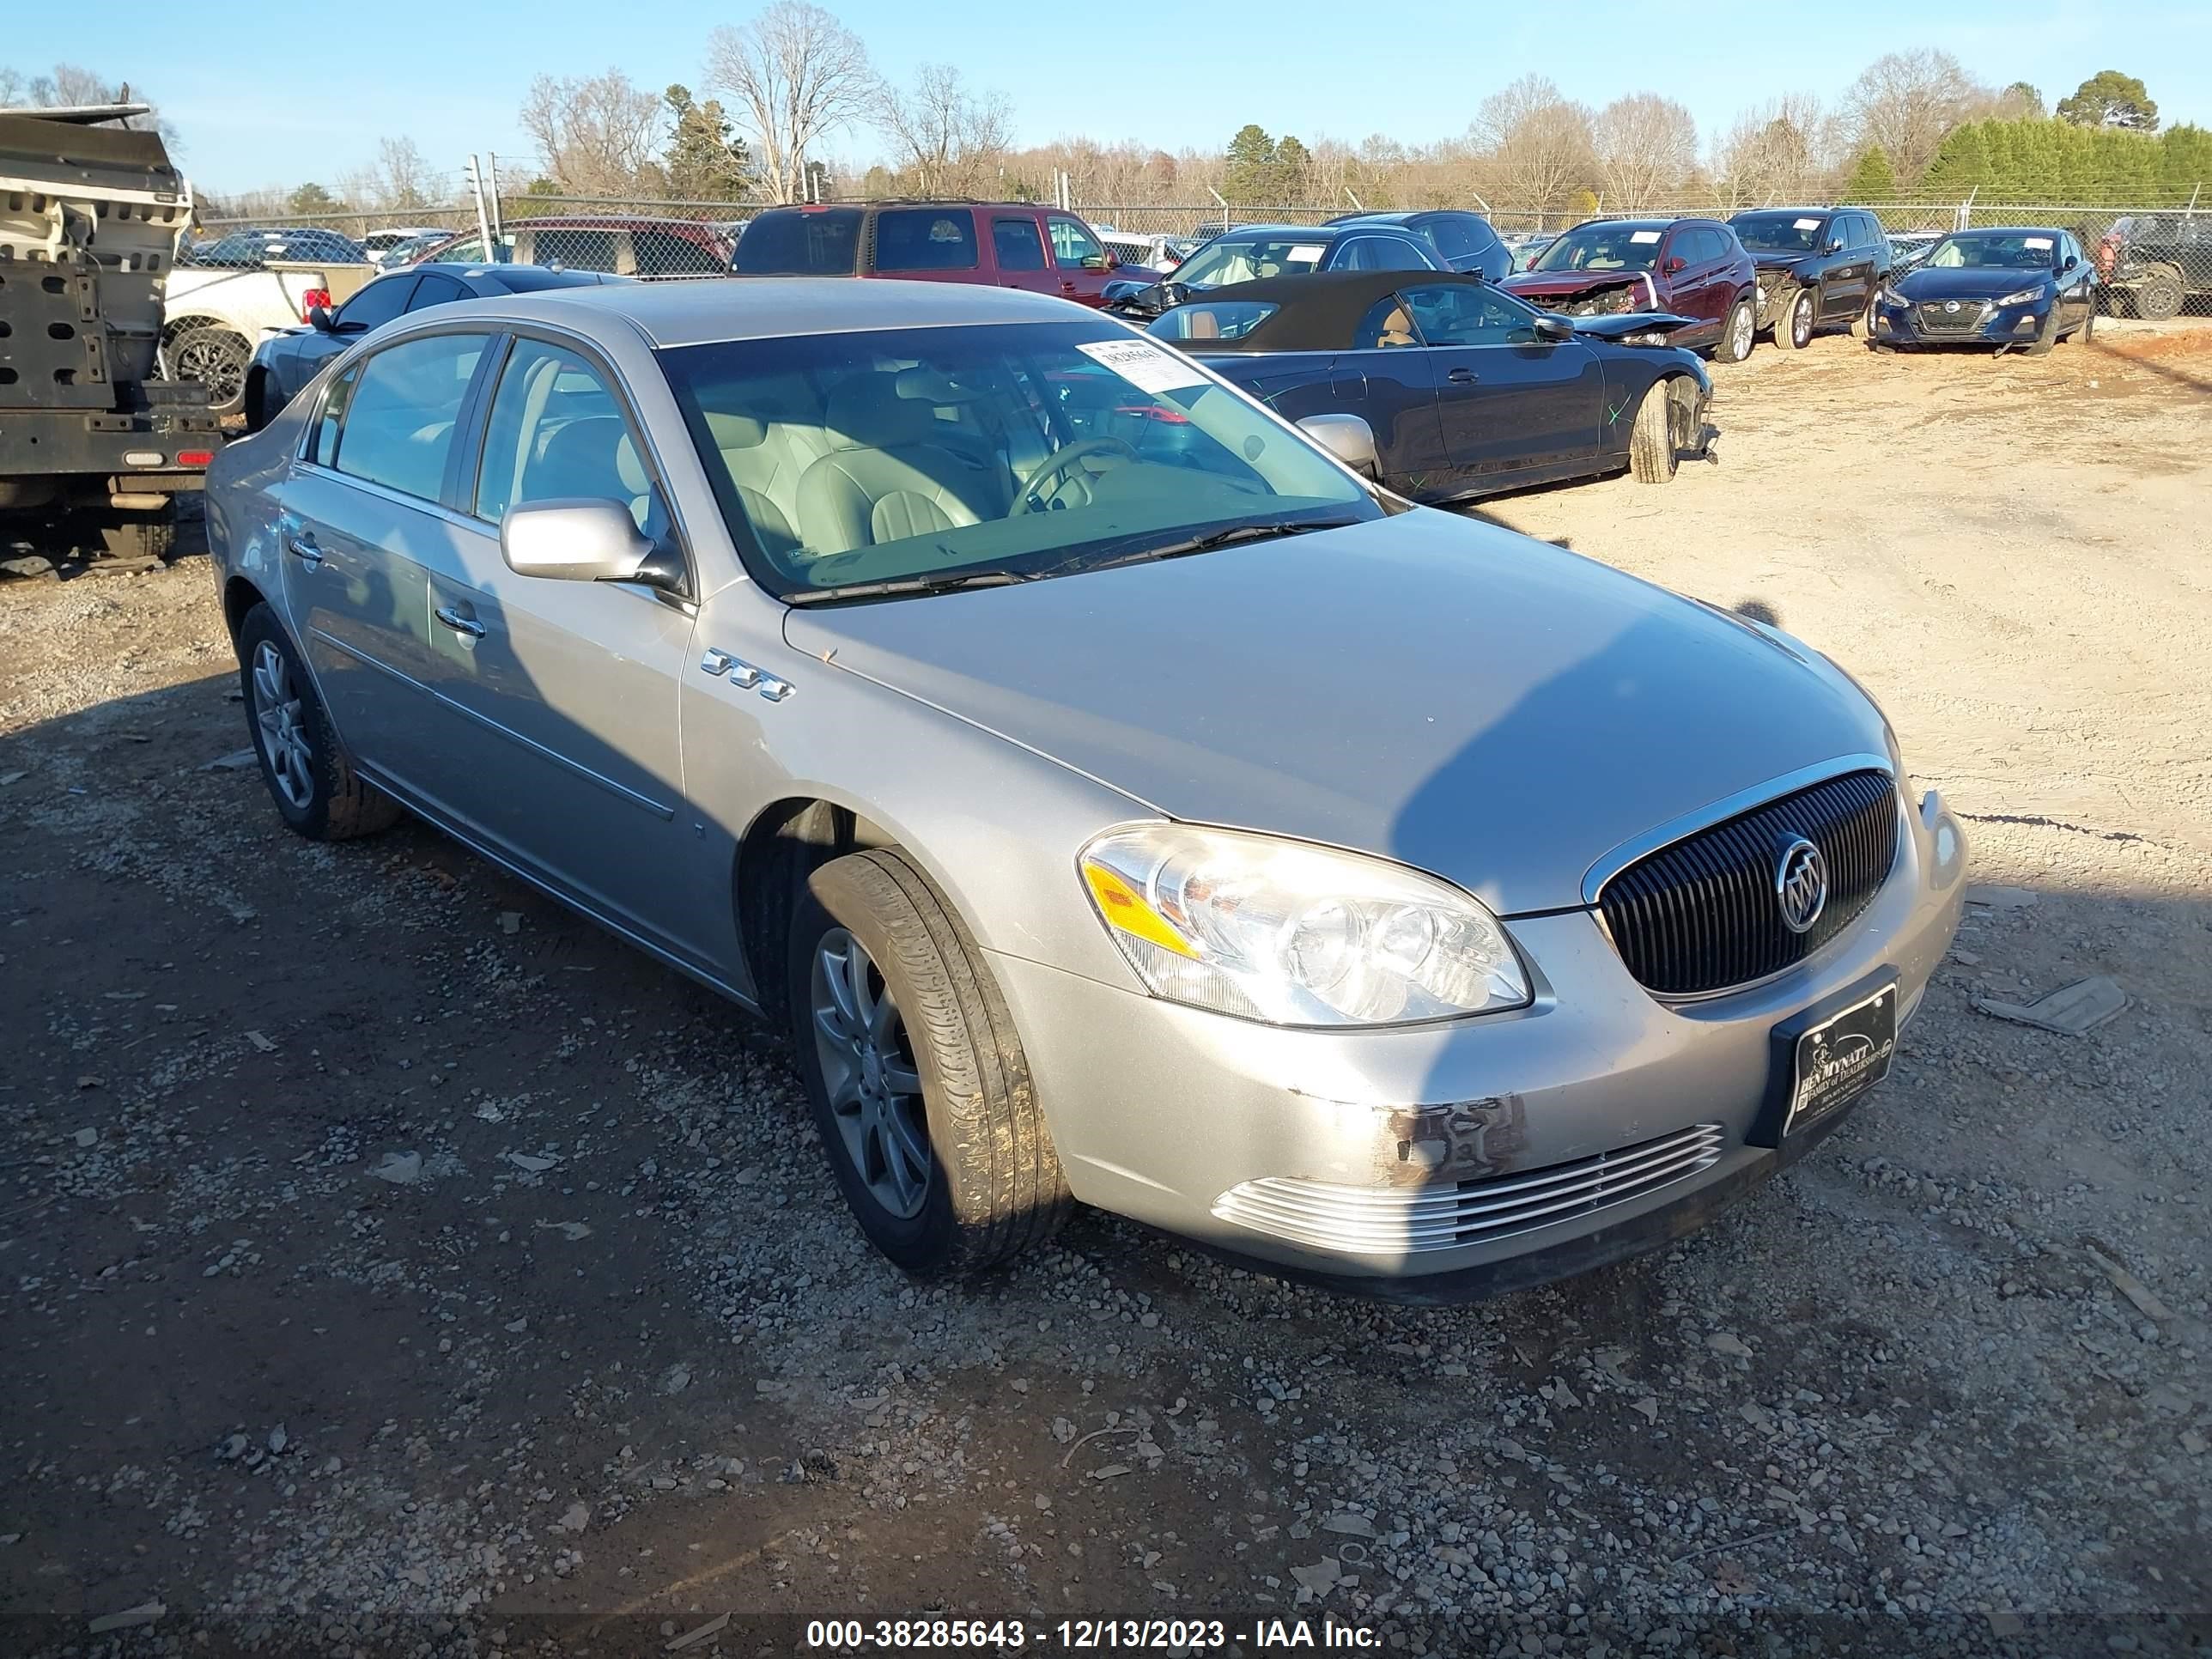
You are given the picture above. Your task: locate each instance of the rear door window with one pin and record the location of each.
(1455, 238)
(436, 290)
(377, 303)
(801, 242)
(1017, 244)
(1379, 253)
(398, 424)
(924, 239)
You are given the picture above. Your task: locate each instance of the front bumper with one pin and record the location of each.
(1326, 1155)
(1976, 323)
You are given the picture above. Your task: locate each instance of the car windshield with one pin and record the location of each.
(801, 242)
(1995, 250)
(1602, 248)
(1227, 260)
(928, 458)
(1780, 232)
(1226, 319)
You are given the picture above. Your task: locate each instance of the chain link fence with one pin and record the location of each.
(2152, 262)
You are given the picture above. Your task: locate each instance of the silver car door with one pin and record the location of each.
(359, 514)
(562, 694)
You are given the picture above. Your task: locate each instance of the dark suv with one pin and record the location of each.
(1464, 239)
(1006, 244)
(2154, 264)
(1818, 267)
(1692, 268)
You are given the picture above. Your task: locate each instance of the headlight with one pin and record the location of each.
(1890, 296)
(2026, 297)
(1294, 934)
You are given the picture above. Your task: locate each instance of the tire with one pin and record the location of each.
(988, 1185)
(1736, 333)
(2047, 335)
(1793, 329)
(311, 779)
(140, 539)
(1862, 325)
(2087, 332)
(1653, 455)
(2160, 293)
(216, 357)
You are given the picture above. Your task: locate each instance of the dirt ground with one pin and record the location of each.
(391, 1262)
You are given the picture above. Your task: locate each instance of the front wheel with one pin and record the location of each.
(310, 777)
(916, 1077)
(1736, 333)
(1793, 329)
(2046, 336)
(1653, 454)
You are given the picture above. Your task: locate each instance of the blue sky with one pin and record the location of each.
(265, 94)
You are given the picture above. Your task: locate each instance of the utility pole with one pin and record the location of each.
(475, 176)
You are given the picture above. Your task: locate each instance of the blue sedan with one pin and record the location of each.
(2024, 287)
(287, 360)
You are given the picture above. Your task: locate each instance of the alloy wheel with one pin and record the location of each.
(278, 712)
(213, 365)
(1742, 328)
(869, 1073)
(1801, 320)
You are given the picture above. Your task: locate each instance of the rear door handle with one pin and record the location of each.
(1462, 377)
(303, 548)
(459, 624)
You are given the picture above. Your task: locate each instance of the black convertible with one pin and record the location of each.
(1467, 390)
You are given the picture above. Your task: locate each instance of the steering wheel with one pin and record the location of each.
(1063, 460)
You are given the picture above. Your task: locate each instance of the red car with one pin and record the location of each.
(618, 245)
(1693, 268)
(1005, 244)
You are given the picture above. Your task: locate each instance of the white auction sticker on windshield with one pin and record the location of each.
(1809, 224)
(2040, 244)
(1643, 235)
(1305, 253)
(1145, 366)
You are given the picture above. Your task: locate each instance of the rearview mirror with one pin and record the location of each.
(1549, 327)
(576, 539)
(1348, 438)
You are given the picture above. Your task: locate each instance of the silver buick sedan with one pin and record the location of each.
(1116, 795)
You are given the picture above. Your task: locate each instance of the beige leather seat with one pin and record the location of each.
(595, 458)
(1397, 329)
(893, 470)
(1204, 325)
(765, 460)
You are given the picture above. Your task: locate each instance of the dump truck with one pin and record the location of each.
(94, 447)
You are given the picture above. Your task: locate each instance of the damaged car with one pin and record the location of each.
(2021, 287)
(1252, 253)
(1692, 268)
(1463, 391)
(1818, 268)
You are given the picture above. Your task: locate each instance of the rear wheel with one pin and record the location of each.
(2160, 294)
(310, 777)
(214, 357)
(1653, 454)
(916, 1077)
(140, 539)
(1736, 333)
(2087, 332)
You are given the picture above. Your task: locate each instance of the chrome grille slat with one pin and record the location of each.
(1699, 915)
(1934, 319)
(1329, 1215)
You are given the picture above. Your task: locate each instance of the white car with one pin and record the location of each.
(229, 294)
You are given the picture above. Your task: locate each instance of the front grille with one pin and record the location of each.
(1381, 1221)
(1934, 319)
(1701, 913)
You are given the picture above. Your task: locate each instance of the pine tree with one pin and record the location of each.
(1872, 180)
(706, 162)
(1962, 164)
(1293, 171)
(1251, 164)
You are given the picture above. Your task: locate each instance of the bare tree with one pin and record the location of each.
(1646, 146)
(798, 74)
(405, 176)
(1907, 102)
(948, 139)
(1778, 152)
(596, 135)
(1539, 142)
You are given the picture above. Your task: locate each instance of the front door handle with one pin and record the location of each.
(303, 548)
(1462, 377)
(459, 624)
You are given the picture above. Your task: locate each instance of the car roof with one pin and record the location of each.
(1316, 312)
(2009, 230)
(711, 309)
(1778, 212)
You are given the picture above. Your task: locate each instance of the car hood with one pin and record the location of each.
(1924, 283)
(1550, 284)
(1494, 709)
(1617, 325)
(1779, 261)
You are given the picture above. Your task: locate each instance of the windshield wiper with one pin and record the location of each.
(951, 581)
(1205, 543)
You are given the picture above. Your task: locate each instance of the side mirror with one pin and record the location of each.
(2070, 263)
(1551, 327)
(1674, 263)
(321, 321)
(1348, 438)
(1835, 245)
(575, 539)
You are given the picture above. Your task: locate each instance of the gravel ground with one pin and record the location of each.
(390, 1261)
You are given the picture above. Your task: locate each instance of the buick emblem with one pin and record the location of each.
(1949, 306)
(1800, 886)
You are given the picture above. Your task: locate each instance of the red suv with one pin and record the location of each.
(1693, 268)
(1008, 244)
